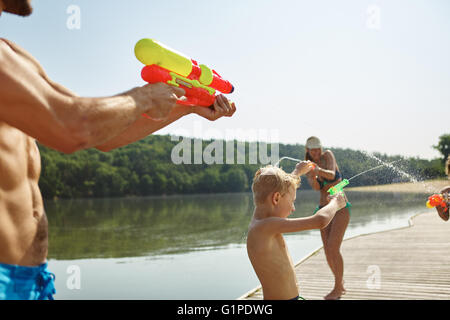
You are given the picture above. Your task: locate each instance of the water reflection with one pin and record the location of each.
(132, 227)
(103, 228)
(383, 206)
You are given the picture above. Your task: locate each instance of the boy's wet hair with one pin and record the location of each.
(272, 179)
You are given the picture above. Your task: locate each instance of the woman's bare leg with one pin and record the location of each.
(332, 237)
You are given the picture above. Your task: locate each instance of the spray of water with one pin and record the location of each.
(411, 178)
(288, 158)
(382, 165)
(390, 165)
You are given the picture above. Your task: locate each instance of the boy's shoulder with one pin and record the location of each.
(263, 225)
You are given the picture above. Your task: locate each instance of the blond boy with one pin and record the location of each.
(274, 193)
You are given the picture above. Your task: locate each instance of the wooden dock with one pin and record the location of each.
(402, 264)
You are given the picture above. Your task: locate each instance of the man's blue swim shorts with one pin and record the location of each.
(26, 283)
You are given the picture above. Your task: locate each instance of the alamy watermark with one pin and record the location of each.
(373, 18)
(222, 147)
(73, 21)
(73, 281)
(374, 280)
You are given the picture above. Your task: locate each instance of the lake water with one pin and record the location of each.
(184, 247)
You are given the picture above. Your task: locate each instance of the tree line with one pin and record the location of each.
(147, 168)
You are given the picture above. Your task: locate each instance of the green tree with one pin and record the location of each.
(145, 168)
(443, 146)
(146, 185)
(235, 180)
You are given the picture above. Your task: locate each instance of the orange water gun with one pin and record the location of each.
(438, 200)
(163, 64)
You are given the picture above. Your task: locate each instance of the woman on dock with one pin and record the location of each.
(326, 174)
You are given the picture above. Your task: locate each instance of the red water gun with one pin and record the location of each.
(437, 200)
(166, 65)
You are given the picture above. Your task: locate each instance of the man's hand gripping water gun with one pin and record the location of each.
(162, 64)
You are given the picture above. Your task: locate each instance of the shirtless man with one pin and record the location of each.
(274, 194)
(33, 107)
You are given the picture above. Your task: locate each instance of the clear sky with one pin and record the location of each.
(368, 75)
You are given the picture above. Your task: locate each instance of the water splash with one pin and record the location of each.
(429, 188)
(411, 178)
(288, 158)
(394, 168)
(382, 165)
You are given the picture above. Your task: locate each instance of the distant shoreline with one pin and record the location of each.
(427, 186)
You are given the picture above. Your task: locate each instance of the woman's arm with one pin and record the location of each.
(328, 171)
(302, 168)
(305, 168)
(312, 180)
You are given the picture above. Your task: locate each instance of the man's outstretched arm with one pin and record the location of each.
(60, 119)
(143, 126)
